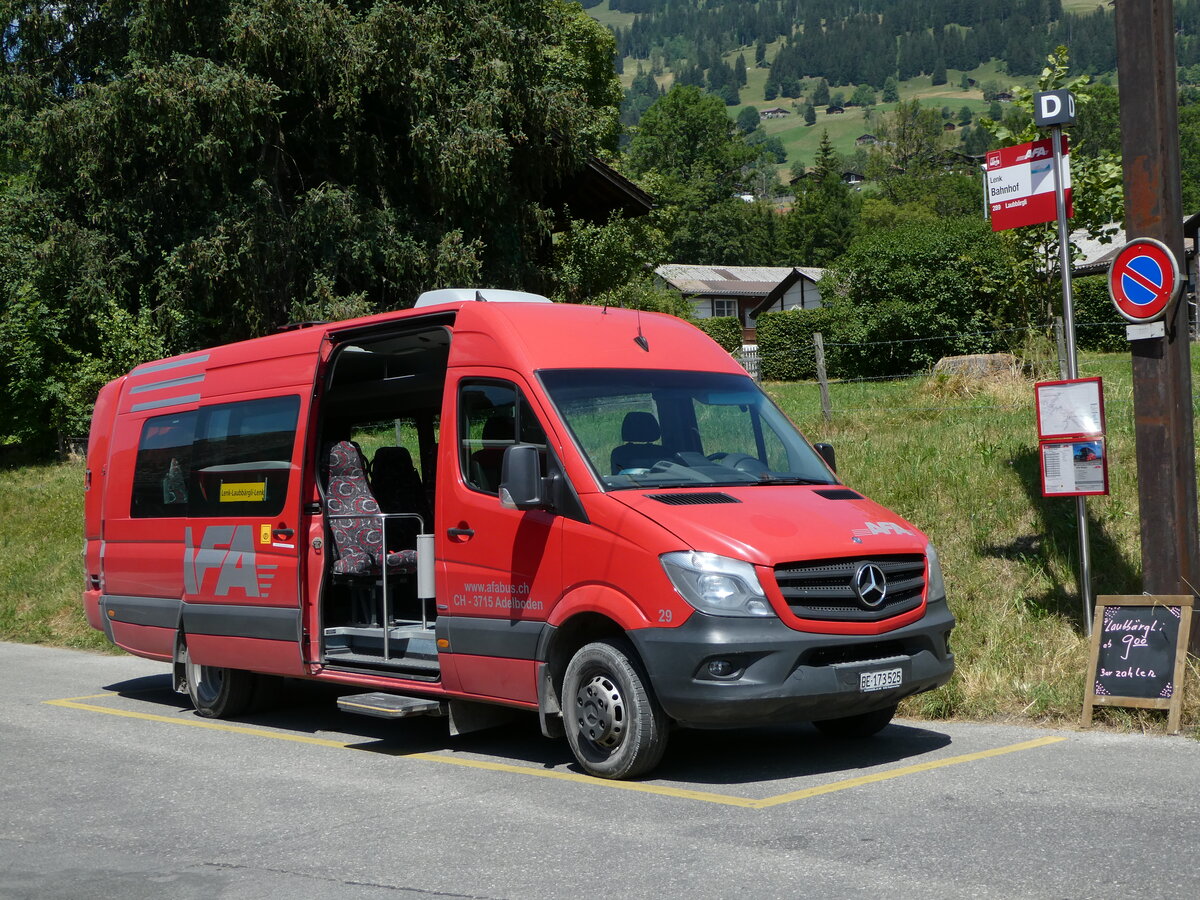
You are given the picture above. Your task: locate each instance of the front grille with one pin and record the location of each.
(823, 589)
(693, 499)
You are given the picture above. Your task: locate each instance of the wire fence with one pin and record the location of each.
(751, 357)
(839, 398)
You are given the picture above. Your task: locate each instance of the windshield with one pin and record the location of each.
(653, 428)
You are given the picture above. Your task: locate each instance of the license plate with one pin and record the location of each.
(880, 681)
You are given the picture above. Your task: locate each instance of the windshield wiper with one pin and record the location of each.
(790, 479)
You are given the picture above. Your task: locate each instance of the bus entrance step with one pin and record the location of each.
(390, 706)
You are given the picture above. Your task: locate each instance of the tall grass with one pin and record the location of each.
(41, 566)
(957, 458)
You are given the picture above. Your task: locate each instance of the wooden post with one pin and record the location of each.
(1162, 378)
(822, 378)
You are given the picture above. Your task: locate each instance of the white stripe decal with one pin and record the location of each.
(169, 401)
(170, 364)
(170, 382)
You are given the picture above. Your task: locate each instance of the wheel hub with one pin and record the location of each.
(601, 711)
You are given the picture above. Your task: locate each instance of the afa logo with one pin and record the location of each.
(874, 528)
(227, 550)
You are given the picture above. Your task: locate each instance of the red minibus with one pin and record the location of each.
(490, 500)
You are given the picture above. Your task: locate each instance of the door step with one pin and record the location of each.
(390, 706)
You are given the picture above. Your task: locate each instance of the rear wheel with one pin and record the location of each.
(614, 724)
(860, 726)
(217, 692)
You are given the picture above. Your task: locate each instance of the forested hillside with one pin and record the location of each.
(865, 41)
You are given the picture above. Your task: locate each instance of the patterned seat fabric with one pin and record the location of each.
(359, 541)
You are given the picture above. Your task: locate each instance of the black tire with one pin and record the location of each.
(860, 726)
(614, 724)
(216, 692)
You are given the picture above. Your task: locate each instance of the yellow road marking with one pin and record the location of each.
(660, 790)
(906, 770)
(85, 697)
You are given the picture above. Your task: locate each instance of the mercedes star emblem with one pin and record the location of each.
(870, 586)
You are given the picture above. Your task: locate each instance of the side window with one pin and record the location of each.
(242, 457)
(493, 415)
(233, 459)
(162, 467)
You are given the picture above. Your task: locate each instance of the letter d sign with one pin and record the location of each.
(1053, 108)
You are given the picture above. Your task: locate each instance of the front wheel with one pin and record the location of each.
(614, 724)
(860, 726)
(216, 692)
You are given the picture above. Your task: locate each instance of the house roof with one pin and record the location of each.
(723, 281)
(597, 190)
(812, 274)
(1097, 257)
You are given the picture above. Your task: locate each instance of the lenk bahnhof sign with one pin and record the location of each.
(1020, 184)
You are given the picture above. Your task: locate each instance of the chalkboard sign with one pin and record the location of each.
(1139, 645)
(1137, 651)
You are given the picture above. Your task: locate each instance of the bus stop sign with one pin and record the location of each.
(1144, 279)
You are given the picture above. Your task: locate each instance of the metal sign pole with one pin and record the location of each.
(1064, 263)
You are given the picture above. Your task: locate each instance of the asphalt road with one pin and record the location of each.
(110, 786)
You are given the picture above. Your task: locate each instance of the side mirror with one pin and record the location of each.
(521, 483)
(827, 454)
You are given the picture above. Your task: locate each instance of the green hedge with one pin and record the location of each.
(785, 343)
(725, 330)
(1098, 325)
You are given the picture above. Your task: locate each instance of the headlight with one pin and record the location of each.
(937, 587)
(716, 584)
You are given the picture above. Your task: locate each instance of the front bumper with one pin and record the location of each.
(783, 675)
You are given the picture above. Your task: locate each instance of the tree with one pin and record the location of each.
(965, 116)
(820, 94)
(975, 141)
(939, 72)
(810, 114)
(1189, 155)
(910, 137)
(864, 95)
(942, 277)
(964, 83)
(595, 262)
(729, 94)
(747, 119)
(1098, 126)
(202, 172)
(739, 71)
(687, 149)
(891, 90)
(821, 223)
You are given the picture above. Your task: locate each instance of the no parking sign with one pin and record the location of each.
(1144, 279)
